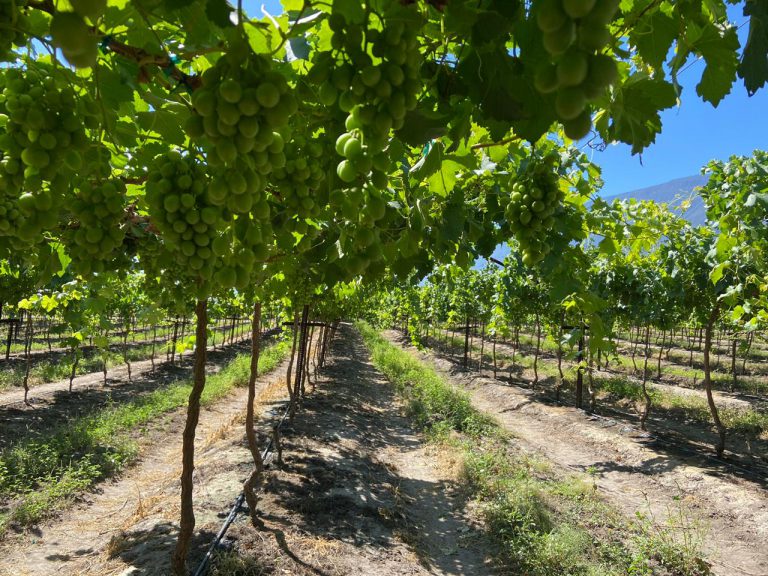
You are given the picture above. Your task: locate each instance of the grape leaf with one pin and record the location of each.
(427, 164)
(421, 126)
(218, 12)
(444, 179)
(753, 68)
(165, 123)
(634, 111)
(653, 37)
(352, 10)
(719, 49)
(113, 88)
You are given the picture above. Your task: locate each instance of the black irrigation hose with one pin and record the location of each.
(203, 566)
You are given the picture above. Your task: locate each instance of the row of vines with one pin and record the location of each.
(660, 286)
(193, 151)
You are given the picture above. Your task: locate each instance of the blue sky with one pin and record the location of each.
(692, 133)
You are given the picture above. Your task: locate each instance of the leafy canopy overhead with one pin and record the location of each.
(212, 148)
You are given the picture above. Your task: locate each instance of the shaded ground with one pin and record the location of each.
(358, 493)
(632, 471)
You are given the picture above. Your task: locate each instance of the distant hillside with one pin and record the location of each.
(673, 192)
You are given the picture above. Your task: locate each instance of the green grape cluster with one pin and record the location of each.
(239, 189)
(10, 213)
(360, 157)
(534, 199)
(362, 205)
(375, 79)
(298, 182)
(575, 32)
(241, 108)
(180, 209)
(12, 23)
(99, 208)
(44, 136)
(238, 249)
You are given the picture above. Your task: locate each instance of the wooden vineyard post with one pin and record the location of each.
(495, 366)
(482, 346)
(647, 408)
(580, 373)
(27, 357)
(536, 351)
(661, 350)
(125, 352)
(154, 338)
(298, 390)
(291, 361)
(734, 346)
(181, 336)
(559, 384)
(720, 446)
(173, 340)
(75, 360)
(309, 354)
(253, 481)
(466, 344)
(187, 519)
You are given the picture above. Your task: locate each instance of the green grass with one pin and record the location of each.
(38, 476)
(542, 523)
(55, 370)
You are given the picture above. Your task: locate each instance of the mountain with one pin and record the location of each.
(673, 193)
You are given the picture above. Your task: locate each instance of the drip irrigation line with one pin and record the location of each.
(237, 506)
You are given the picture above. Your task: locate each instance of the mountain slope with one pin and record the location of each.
(673, 193)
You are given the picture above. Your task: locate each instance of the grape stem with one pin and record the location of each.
(504, 142)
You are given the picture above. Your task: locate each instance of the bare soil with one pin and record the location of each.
(633, 471)
(52, 404)
(357, 493)
(747, 453)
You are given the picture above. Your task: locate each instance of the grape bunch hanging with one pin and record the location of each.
(373, 75)
(534, 200)
(179, 207)
(43, 145)
(97, 234)
(574, 33)
(240, 110)
(13, 21)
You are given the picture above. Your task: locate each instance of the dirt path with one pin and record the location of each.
(633, 476)
(358, 493)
